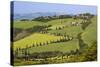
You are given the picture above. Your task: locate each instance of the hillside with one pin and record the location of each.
(67, 37)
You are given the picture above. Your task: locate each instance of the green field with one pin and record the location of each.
(54, 23)
(25, 24)
(72, 31)
(44, 33)
(63, 47)
(90, 34)
(35, 38)
(54, 35)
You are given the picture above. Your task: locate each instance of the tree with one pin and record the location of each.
(26, 53)
(84, 25)
(24, 20)
(40, 44)
(16, 53)
(33, 45)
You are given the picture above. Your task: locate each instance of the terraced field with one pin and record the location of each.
(62, 46)
(44, 33)
(55, 35)
(35, 39)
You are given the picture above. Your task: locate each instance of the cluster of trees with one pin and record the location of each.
(26, 55)
(24, 20)
(84, 53)
(89, 54)
(25, 51)
(37, 28)
(19, 33)
(59, 28)
(78, 55)
(48, 18)
(84, 16)
(62, 39)
(84, 25)
(86, 19)
(64, 35)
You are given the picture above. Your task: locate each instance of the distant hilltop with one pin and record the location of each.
(18, 16)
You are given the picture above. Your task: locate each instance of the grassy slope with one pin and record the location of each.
(25, 24)
(69, 30)
(62, 46)
(31, 39)
(30, 24)
(72, 31)
(62, 21)
(90, 34)
(35, 39)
